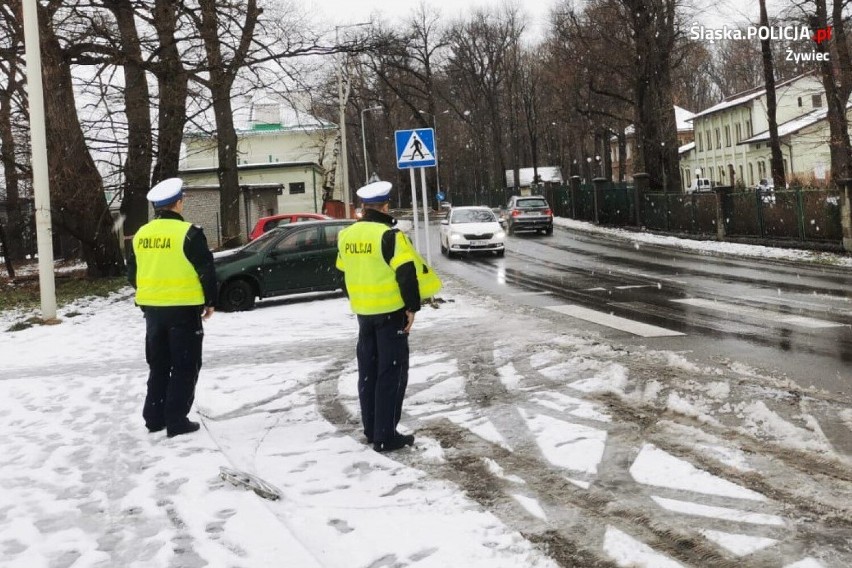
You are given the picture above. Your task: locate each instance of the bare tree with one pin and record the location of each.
(777, 158)
(12, 97)
(77, 193)
(216, 21)
(137, 100)
(655, 32)
(836, 73)
(479, 72)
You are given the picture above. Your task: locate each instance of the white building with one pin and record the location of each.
(731, 138)
(278, 146)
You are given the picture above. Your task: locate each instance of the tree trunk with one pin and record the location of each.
(4, 248)
(16, 223)
(622, 155)
(837, 86)
(229, 178)
(777, 158)
(221, 79)
(173, 87)
(137, 169)
(78, 203)
(14, 245)
(656, 128)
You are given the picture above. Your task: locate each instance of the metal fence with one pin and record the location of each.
(795, 215)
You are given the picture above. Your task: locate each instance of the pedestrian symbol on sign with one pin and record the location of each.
(415, 148)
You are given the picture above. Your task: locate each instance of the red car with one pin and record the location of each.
(266, 223)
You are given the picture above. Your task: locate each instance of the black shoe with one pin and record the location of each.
(183, 428)
(395, 443)
(157, 428)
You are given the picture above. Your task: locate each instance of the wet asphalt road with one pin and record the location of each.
(788, 320)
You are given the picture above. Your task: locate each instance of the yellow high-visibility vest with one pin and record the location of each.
(164, 276)
(370, 281)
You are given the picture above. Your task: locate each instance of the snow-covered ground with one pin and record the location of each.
(538, 445)
(712, 247)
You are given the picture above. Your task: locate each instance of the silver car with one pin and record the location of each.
(472, 229)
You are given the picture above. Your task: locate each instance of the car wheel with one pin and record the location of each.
(501, 252)
(548, 231)
(443, 248)
(236, 296)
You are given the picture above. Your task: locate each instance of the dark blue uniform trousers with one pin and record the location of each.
(382, 372)
(173, 350)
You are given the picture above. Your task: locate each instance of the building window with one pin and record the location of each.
(297, 187)
(816, 100)
(739, 130)
(748, 129)
(728, 136)
(741, 174)
(708, 139)
(718, 139)
(700, 142)
(750, 173)
(800, 101)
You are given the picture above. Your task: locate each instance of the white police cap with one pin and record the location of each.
(376, 192)
(166, 192)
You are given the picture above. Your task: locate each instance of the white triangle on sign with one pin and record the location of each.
(415, 151)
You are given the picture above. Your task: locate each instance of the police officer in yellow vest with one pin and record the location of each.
(385, 280)
(171, 268)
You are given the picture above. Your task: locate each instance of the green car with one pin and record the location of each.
(288, 260)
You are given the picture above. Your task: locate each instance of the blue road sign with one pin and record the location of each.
(440, 196)
(415, 148)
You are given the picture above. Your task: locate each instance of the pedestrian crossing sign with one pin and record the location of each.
(415, 148)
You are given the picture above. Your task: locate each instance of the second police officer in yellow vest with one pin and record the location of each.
(386, 280)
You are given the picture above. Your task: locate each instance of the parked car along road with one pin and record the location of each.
(265, 224)
(766, 184)
(700, 184)
(472, 229)
(291, 259)
(530, 213)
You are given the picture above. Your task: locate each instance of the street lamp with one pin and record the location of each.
(342, 125)
(589, 167)
(600, 166)
(364, 143)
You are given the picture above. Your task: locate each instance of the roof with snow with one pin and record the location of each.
(744, 97)
(795, 125)
(264, 113)
(686, 148)
(551, 174)
(683, 119)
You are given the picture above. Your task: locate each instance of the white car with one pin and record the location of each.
(472, 229)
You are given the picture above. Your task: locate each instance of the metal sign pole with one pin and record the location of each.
(414, 209)
(425, 216)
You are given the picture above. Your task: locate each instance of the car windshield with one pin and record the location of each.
(531, 203)
(472, 216)
(262, 242)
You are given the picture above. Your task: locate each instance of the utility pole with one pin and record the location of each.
(41, 180)
(342, 59)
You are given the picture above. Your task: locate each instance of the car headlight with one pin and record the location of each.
(455, 237)
(499, 234)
